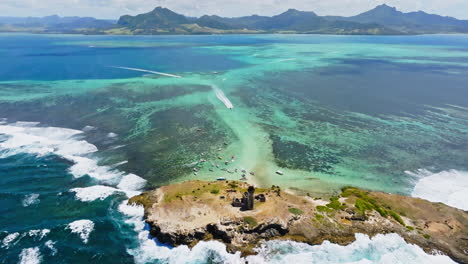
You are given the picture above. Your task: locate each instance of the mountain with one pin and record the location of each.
(412, 22)
(164, 21)
(54, 23)
(159, 18)
(382, 20)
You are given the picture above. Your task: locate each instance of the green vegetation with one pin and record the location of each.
(410, 228)
(365, 203)
(396, 216)
(250, 221)
(427, 236)
(214, 191)
(319, 217)
(295, 211)
(142, 199)
(335, 204)
(323, 209)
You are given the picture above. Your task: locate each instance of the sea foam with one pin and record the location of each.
(448, 187)
(30, 256)
(390, 248)
(10, 239)
(83, 228)
(30, 199)
(28, 137)
(92, 193)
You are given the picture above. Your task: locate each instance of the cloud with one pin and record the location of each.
(116, 8)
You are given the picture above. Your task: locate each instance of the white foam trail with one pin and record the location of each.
(30, 256)
(83, 228)
(119, 164)
(30, 199)
(39, 233)
(88, 128)
(143, 70)
(93, 193)
(9, 239)
(282, 60)
(448, 187)
(51, 245)
(112, 135)
(222, 97)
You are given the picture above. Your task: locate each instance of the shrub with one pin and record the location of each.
(214, 191)
(295, 211)
(396, 217)
(250, 221)
(323, 209)
(335, 204)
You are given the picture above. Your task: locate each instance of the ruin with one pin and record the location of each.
(246, 203)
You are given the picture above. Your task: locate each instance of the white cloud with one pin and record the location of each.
(115, 8)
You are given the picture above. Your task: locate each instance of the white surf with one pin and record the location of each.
(448, 187)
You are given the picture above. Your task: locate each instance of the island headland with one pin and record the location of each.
(242, 217)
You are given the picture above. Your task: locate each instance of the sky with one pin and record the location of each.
(113, 9)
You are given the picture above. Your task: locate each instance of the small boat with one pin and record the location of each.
(221, 179)
(279, 172)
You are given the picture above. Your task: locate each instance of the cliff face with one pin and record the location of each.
(192, 211)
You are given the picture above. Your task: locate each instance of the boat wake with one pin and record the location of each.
(222, 97)
(148, 71)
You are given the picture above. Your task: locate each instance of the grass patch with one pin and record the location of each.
(214, 191)
(396, 216)
(335, 204)
(250, 221)
(427, 236)
(323, 209)
(365, 203)
(410, 228)
(295, 211)
(142, 199)
(319, 217)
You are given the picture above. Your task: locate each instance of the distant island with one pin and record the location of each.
(382, 20)
(242, 217)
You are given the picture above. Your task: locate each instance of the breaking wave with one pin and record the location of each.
(30, 199)
(83, 228)
(448, 187)
(30, 256)
(68, 143)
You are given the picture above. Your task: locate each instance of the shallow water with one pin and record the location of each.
(384, 113)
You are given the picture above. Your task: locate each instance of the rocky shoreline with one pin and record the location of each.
(186, 213)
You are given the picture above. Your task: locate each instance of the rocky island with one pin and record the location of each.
(242, 217)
